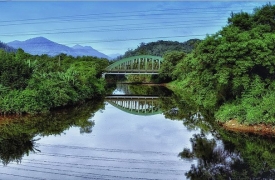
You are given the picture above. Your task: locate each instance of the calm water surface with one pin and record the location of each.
(119, 145)
(118, 139)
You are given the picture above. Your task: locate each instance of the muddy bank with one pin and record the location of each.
(261, 129)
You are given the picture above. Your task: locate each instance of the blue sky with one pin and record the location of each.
(115, 26)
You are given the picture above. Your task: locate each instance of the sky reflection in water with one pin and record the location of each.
(120, 146)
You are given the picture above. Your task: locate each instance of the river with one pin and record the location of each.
(144, 133)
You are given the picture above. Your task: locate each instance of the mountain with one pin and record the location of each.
(7, 48)
(41, 45)
(88, 51)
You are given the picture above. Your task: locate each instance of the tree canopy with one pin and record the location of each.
(159, 48)
(34, 84)
(233, 70)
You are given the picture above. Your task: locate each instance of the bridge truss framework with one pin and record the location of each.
(143, 64)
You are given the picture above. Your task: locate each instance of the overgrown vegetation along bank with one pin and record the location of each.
(35, 84)
(233, 71)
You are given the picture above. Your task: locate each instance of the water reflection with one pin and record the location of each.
(140, 100)
(17, 135)
(221, 159)
(222, 154)
(138, 105)
(129, 89)
(125, 146)
(13, 148)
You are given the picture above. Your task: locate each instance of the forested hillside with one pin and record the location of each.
(159, 48)
(233, 70)
(34, 84)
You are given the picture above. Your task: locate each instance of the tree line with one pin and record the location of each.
(231, 71)
(36, 84)
(159, 48)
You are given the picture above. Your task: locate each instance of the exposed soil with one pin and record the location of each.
(261, 129)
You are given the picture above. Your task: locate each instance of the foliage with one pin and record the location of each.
(14, 73)
(219, 153)
(35, 84)
(161, 47)
(233, 70)
(222, 154)
(171, 59)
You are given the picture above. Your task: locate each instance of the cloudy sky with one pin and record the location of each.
(115, 26)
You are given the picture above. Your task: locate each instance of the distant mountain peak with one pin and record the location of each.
(41, 45)
(39, 39)
(77, 46)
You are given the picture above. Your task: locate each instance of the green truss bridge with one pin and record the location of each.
(143, 64)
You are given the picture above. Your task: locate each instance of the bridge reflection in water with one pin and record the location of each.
(138, 105)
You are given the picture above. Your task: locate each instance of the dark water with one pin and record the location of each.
(161, 138)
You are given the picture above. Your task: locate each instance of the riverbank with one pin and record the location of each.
(234, 125)
(261, 129)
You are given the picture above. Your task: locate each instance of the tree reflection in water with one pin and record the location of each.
(17, 135)
(214, 161)
(129, 89)
(220, 154)
(13, 148)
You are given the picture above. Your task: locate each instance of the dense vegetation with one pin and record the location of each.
(34, 84)
(232, 70)
(159, 48)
